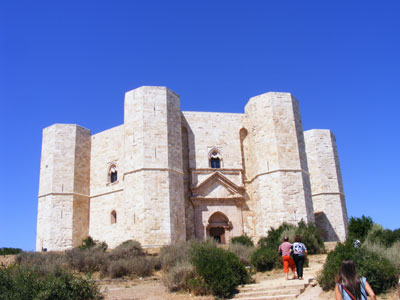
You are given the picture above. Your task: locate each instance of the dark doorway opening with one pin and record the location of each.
(218, 234)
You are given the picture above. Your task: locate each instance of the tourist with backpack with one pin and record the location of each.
(351, 287)
(299, 253)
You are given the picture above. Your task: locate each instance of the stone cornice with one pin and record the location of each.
(328, 193)
(221, 170)
(154, 169)
(275, 171)
(106, 193)
(63, 194)
(197, 201)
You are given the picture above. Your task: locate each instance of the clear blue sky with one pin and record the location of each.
(72, 62)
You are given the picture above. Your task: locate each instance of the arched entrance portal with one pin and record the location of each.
(218, 223)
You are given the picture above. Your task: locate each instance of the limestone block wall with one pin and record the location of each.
(107, 150)
(214, 130)
(326, 184)
(63, 206)
(278, 181)
(153, 175)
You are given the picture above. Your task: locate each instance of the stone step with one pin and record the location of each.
(266, 286)
(277, 297)
(268, 293)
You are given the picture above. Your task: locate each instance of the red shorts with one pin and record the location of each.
(288, 261)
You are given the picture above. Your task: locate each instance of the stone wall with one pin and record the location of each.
(153, 160)
(63, 206)
(326, 184)
(278, 183)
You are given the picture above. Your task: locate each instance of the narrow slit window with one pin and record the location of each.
(113, 217)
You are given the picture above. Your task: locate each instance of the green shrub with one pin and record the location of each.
(197, 286)
(243, 252)
(89, 243)
(265, 259)
(359, 227)
(21, 282)
(274, 237)
(309, 233)
(311, 237)
(221, 270)
(243, 240)
(391, 253)
(380, 273)
(126, 250)
(385, 237)
(9, 251)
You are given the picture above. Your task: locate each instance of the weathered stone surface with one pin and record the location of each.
(165, 187)
(326, 184)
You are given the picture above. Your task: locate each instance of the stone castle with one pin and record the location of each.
(167, 175)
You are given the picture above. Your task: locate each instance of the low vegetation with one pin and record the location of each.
(128, 259)
(9, 251)
(22, 282)
(266, 256)
(202, 268)
(377, 258)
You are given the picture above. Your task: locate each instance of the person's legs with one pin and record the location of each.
(286, 265)
(300, 267)
(296, 262)
(292, 266)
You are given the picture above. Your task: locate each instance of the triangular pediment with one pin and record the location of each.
(217, 186)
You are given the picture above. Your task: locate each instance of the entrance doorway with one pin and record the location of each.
(217, 225)
(218, 234)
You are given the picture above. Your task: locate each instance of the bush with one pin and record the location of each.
(385, 237)
(20, 282)
(392, 253)
(311, 237)
(359, 227)
(174, 254)
(243, 252)
(43, 263)
(221, 270)
(9, 251)
(178, 277)
(138, 266)
(380, 273)
(243, 240)
(274, 237)
(265, 259)
(127, 250)
(89, 243)
(87, 259)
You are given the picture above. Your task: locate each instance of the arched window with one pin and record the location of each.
(215, 159)
(113, 174)
(113, 217)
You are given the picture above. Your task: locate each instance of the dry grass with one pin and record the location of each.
(243, 252)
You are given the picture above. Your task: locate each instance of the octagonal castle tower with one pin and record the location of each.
(165, 175)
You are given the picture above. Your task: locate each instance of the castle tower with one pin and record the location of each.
(326, 184)
(63, 206)
(278, 180)
(153, 176)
